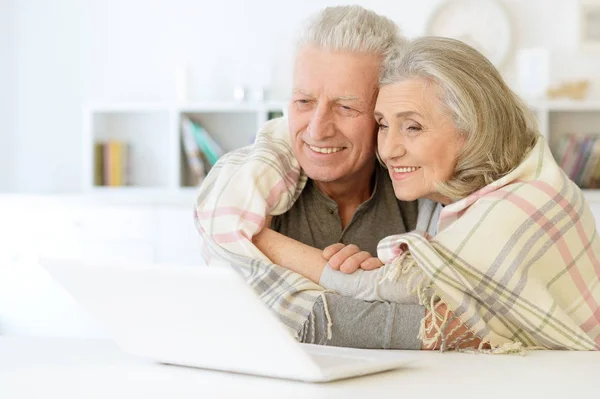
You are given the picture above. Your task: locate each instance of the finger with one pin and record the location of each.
(332, 250)
(352, 263)
(371, 264)
(336, 260)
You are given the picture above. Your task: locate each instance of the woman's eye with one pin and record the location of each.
(381, 126)
(413, 128)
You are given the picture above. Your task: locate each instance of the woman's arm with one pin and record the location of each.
(382, 325)
(357, 323)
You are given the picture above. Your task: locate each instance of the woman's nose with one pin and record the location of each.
(390, 146)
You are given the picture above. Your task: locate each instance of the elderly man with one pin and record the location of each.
(347, 197)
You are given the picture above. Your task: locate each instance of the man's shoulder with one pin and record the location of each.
(296, 211)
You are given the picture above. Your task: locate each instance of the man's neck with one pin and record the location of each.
(350, 192)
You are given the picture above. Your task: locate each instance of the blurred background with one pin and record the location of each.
(112, 111)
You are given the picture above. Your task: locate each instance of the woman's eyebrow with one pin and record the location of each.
(405, 114)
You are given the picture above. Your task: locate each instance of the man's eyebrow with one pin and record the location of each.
(348, 98)
(300, 91)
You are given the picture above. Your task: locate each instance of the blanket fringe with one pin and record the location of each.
(419, 284)
(329, 321)
(509, 348)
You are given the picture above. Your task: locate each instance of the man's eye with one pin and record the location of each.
(302, 104)
(381, 126)
(347, 111)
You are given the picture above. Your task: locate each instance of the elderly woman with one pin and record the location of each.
(505, 242)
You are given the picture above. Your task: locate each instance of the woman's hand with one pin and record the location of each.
(349, 258)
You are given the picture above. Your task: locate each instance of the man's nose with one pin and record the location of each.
(321, 124)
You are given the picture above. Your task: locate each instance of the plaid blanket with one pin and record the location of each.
(517, 261)
(232, 204)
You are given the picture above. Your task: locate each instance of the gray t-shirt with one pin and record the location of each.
(314, 220)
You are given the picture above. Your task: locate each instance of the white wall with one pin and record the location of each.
(70, 52)
(6, 95)
(48, 94)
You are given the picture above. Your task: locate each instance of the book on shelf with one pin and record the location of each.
(579, 157)
(274, 115)
(207, 144)
(201, 150)
(196, 159)
(112, 163)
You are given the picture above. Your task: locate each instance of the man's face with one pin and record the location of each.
(331, 121)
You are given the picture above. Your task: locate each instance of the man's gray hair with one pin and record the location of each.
(351, 29)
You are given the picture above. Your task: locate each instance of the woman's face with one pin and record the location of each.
(417, 139)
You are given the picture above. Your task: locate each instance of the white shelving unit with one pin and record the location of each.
(159, 167)
(557, 118)
(560, 117)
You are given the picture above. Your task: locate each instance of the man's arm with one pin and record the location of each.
(294, 255)
(310, 263)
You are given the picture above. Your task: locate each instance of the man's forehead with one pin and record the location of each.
(346, 97)
(312, 60)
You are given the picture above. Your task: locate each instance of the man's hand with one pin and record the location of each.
(349, 258)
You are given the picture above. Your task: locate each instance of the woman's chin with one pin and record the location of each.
(405, 195)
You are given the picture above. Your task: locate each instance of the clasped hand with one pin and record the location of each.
(349, 258)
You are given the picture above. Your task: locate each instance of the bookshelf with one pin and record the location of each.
(559, 119)
(158, 166)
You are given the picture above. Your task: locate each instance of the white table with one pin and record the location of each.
(87, 368)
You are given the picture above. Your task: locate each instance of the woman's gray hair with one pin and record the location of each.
(498, 128)
(351, 29)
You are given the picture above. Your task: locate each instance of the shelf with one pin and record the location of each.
(215, 107)
(564, 105)
(142, 195)
(160, 172)
(127, 108)
(191, 107)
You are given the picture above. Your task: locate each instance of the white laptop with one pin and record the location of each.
(205, 317)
